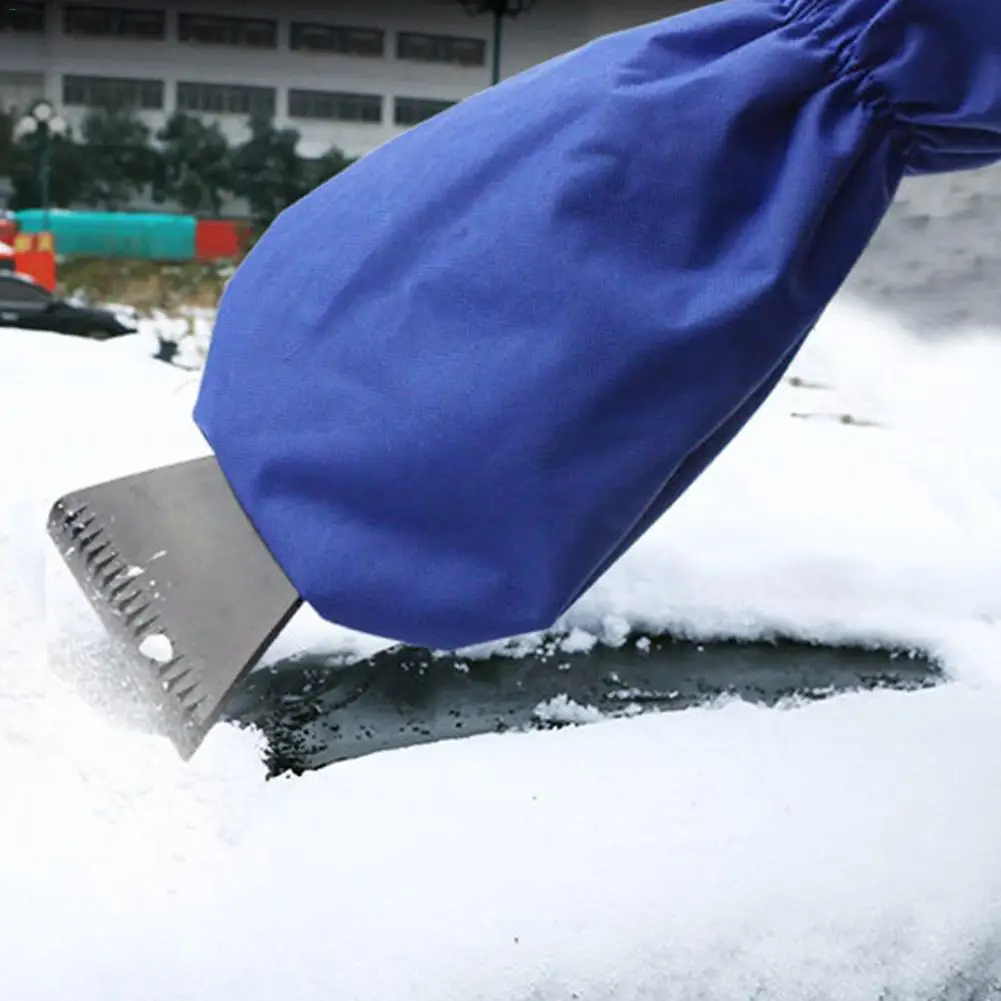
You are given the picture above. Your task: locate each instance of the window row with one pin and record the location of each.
(27, 18)
(243, 99)
(98, 21)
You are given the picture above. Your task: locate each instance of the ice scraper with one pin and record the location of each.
(451, 386)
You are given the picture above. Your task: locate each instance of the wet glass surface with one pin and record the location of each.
(314, 713)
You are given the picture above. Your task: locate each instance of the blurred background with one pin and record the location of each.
(144, 146)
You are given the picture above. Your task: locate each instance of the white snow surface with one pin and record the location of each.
(845, 850)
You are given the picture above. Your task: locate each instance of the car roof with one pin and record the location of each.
(19, 276)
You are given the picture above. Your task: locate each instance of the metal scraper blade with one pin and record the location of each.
(179, 576)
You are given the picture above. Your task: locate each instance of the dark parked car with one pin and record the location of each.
(26, 304)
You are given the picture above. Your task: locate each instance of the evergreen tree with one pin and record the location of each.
(21, 161)
(121, 162)
(268, 171)
(323, 168)
(194, 165)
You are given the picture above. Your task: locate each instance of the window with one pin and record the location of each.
(110, 91)
(114, 22)
(19, 91)
(26, 18)
(226, 98)
(14, 290)
(441, 49)
(414, 110)
(306, 37)
(214, 29)
(334, 107)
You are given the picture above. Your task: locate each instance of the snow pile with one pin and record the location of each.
(843, 850)
(863, 504)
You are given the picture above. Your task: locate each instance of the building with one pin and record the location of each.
(345, 73)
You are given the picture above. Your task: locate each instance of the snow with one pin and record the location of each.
(157, 647)
(845, 849)
(835, 532)
(563, 710)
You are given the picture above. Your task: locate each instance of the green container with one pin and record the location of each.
(146, 236)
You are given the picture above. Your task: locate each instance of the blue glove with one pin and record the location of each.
(455, 383)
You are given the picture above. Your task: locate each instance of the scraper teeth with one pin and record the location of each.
(100, 565)
(87, 534)
(165, 669)
(119, 589)
(112, 575)
(133, 616)
(125, 601)
(92, 555)
(73, 515)
(171, 682)
(106, 535)
(184, 696)
(139, 629)
(78, 528)
(131, 601)
(194, 711)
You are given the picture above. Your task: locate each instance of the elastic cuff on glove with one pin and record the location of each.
(836, 27)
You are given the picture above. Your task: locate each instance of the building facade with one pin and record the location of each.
(344, 73)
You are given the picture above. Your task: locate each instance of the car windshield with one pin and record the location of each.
(14, 289)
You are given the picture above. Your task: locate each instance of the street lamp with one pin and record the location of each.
(43, 120)
(500, 9)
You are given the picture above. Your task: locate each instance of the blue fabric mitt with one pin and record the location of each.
(452, 385)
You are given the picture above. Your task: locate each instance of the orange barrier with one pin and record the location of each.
(35, 256)
(219, 239)
(128, 234)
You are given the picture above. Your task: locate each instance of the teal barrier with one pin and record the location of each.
(146, 235)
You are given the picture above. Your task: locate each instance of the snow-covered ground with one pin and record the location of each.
(188, 332)
(848, 849)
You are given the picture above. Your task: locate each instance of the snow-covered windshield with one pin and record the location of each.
(844, 849)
